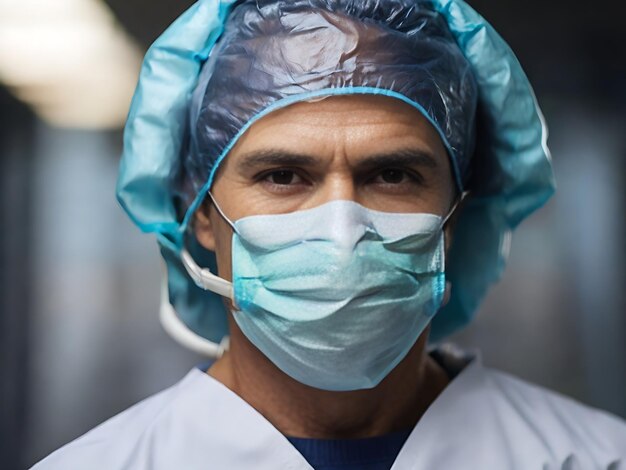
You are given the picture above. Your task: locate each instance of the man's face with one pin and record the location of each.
(373, 150)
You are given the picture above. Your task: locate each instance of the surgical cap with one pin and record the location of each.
(224, 64)
(273, 52)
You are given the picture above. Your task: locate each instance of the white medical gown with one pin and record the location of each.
(483, 420)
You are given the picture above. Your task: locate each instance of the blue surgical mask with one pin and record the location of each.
(337, 295)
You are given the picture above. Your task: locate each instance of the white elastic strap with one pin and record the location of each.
(444, 221)
(204, 278)
(221, 212)
(463, 195)
(181, 333)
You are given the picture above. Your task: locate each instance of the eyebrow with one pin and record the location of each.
(275, 157)
(409, 157)
(402, 158)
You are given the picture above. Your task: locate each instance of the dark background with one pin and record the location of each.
(79, 335)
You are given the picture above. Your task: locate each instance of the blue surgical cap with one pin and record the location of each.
(273, 53)
(224, 64)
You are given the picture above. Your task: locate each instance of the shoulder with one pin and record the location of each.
(113, 443)
(557, 421)
(181, 427)
(506, 419)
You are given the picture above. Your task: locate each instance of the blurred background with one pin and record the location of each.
(79, 285)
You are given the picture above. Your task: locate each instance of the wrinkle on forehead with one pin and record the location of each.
(369, 132)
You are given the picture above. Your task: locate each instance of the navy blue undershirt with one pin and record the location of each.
(372, 453)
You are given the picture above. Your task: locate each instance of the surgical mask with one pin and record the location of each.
(337, 295)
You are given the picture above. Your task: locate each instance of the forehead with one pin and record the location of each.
(356, 125)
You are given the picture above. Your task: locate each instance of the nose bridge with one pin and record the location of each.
(345, 218)
(339, 181)
(346, 223)
(339, 185)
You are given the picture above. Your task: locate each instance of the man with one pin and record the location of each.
(324, 173)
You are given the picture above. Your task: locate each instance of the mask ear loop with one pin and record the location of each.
(181, 333)
(454, 207)
(203, 277)
(221, 212)
(444, 221)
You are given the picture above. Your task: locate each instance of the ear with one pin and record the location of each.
(448, 233)
(447, 237)
(203, 228)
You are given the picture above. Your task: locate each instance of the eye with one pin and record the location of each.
(284, 181)
(392, 176)
(283, 177)
(395, 176)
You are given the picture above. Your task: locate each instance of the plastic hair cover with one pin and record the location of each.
(274, 52)
(195, 98)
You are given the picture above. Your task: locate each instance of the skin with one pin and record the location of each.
(373, 150)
